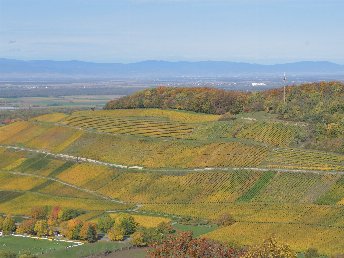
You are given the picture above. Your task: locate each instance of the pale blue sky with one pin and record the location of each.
(261, 31)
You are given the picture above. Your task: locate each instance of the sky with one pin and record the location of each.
(256, 31)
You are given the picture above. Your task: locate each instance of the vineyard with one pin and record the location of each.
(306, 159)
(159, 114)
(174, 139)
(276, 134)
(188, 164)
(131, 126)
(298, 236)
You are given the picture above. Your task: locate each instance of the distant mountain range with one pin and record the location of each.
(10, 67)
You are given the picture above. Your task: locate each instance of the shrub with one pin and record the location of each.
(270, 248)
(184, 245)
(137, 239)
(225, 220)
(116, 233)
(8, 225)
(312, 253)
(7, 254)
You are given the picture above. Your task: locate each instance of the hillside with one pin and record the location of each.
(318, 106)
(149, 69)
(173, 163)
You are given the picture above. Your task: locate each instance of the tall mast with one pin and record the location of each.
(284, 84)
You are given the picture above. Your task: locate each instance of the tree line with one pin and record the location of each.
(320, 105)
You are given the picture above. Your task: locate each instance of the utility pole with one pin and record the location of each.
(284, 84)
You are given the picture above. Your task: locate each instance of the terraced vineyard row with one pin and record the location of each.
(306, 159)
(152, 152)
(39, 136)
(133, 126)
(159, 114)
(157, 187)
(273, 133)
(261, 202)
(23, 203)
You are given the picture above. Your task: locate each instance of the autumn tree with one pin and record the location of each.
(39, 213)
(88, 232)
(205, 100)
(41, 228)
(116, 233)
(54, 216)
(72, 229)
(184, 245)
(27, 227)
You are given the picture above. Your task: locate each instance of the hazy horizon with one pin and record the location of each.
(171, 61)
(127, 31)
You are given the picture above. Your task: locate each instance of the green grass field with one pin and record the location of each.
(196, 230)
(34, 246)
(85, 250)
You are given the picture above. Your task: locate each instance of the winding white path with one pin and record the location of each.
(84, 159)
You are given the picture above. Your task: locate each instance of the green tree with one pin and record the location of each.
(69, 214)
(1, 222)
(92, 235)
(128, 224)
(88, 232)
(312, 253)
(8, 225)
(105, 223)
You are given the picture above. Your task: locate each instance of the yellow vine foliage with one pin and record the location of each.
(9, 182)
(143, 220)
(74, 137)
(172, 115)
(11, 130)
(298, 236)
(81, 174)
(15, 164)
(23, 204)
(53, 118)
